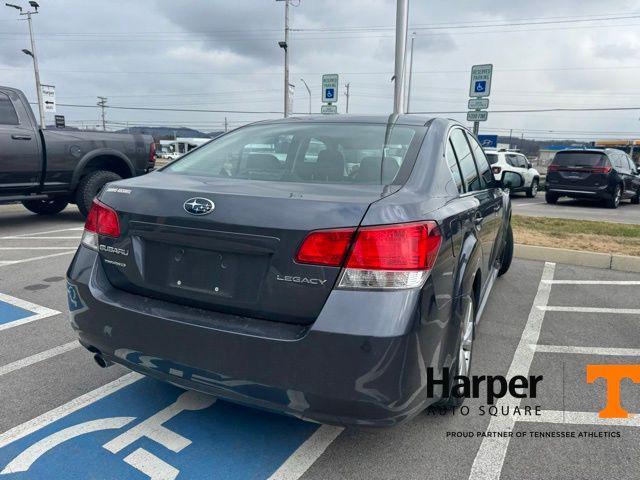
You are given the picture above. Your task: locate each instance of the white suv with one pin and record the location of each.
(508, 161)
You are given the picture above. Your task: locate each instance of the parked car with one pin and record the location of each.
(600, 174)
(300, 285)
(509, 161)
(48, 169)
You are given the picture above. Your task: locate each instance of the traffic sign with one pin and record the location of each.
(59, 121)
(49, 97)
(478, 103)
(329, 109)
(480, 80)
(488, 141)
(330, 88)
(477, 116)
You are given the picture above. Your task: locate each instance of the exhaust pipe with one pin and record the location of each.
(100, 360)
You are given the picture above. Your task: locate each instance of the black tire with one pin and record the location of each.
(456, 370)
(50, 206)
(551, 198)
(532, 191)
(614, 201)
(90, 185)
(636, 199)
(507, 252)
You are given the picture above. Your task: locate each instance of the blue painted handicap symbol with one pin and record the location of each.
(73, 299)
(329, 93)
(150, 429)
(480, 86)
(11, 313)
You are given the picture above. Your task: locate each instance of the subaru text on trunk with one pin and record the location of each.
(312, 266)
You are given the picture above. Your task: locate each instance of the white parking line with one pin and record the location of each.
(22, 235)
(38, 357)
(38, 248)
(57, 413)
(593, 282)
(490, 457)
(307, 453)
(4, 263)
(581, 418)
(516, 204)
(620, 352)
(621, 311)
(39, 312)
(17, 237)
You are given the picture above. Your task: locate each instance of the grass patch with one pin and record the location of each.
(600, 237)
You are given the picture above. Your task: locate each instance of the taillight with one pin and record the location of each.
(380, 257)
(152, 153)
(553, 168)
(325, 247)
(496, 170)
(601, 169)
(102, 220)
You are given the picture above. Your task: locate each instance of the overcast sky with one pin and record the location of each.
(223, 55)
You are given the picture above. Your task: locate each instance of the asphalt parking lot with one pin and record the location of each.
(576, 209)
(64, 417)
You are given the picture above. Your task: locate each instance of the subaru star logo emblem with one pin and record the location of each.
(198, 206)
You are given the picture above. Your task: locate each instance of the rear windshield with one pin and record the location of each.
(580, 159)
(492, 157)
(345, 153)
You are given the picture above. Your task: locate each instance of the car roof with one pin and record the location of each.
(411, 120)
(589, 150)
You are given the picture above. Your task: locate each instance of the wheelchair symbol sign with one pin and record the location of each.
(481, 86)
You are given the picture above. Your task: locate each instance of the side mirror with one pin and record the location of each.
(529, 165)
(511, 180)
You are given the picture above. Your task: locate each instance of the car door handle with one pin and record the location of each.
(21, 137)
(477, 220)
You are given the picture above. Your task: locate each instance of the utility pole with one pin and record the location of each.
(510, 135)
(309, 92)
(102, 102)
(413, 38)
(226, 125)
(34, 56)
(347, 94)
(402, 20)
(285, 46)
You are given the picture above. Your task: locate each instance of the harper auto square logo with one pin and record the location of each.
(613, 375)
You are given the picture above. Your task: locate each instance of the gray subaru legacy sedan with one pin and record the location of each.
(323, 267)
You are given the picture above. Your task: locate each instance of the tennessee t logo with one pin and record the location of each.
(613, 374)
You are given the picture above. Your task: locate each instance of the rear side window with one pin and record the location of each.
(492, 157)
(465, 160)
(305, 152)
(580, 159)
(453, 166)
(8, 115)
(481, 160)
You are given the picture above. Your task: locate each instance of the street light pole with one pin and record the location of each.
(285, 46)
(34, 56)
(402, 20)
(348, 94)
(413, 38)
(309, 92)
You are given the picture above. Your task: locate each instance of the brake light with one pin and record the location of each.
(325, 247)
(102, 220)
(496, 170)
(606, 169)
(553, 168)
(152, 153)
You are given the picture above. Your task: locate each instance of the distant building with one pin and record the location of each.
(172, 149)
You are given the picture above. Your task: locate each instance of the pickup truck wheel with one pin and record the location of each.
(90, 185)
(507, 253)
(46, 207)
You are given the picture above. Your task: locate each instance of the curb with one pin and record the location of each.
(622, 263)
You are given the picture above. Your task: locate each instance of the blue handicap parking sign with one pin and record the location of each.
(149, 429)
(329, 93)
(480, 86)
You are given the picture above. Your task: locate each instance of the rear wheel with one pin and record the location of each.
(614, 201)
(49, 206)
(90, 186)
(532, 191)
(507, 253)
(551, 197)
(636, 199)
(462, 363)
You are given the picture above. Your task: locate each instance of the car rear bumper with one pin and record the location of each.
(579, 191)
(362, 366)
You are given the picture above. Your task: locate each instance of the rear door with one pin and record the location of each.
(519, 164)
(634, 178)
(20, 159)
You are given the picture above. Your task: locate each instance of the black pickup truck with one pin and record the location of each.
(48, 169)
